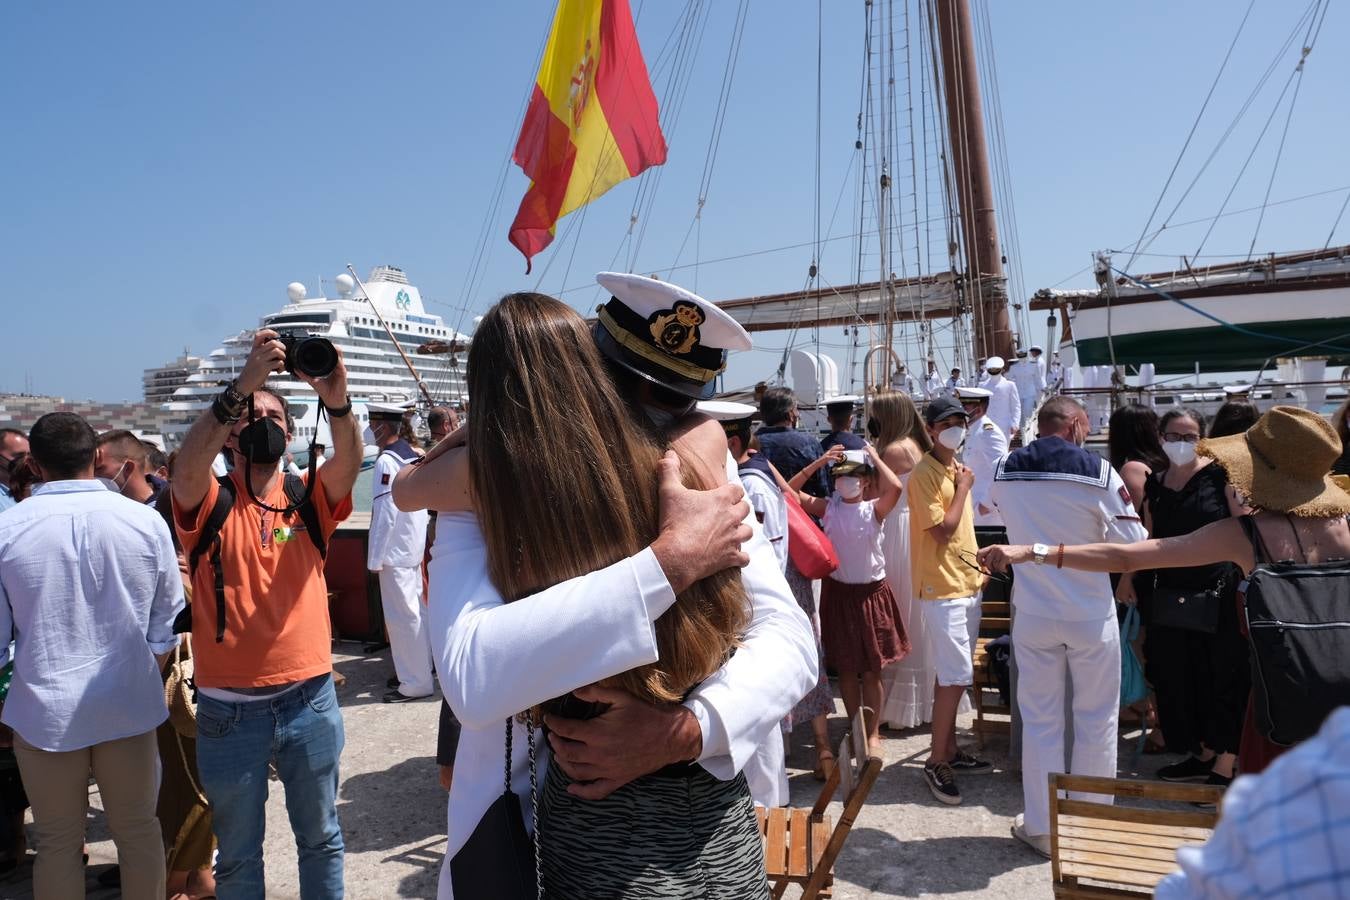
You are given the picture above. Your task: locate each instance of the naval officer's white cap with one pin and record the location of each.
(666, 334)
(855, 463)
(994, 362)
(974, 393)
(388, 410)
(735, 417)
(843, 400)
(1237, 390)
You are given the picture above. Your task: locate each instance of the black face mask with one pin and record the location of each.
(263, 442)
(873, 429)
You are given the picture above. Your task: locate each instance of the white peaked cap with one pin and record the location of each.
(994, 362)
(726, 410)
(646, 296)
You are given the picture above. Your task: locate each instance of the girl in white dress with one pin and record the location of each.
(897, 429)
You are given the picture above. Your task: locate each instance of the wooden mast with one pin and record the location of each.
(986, 286)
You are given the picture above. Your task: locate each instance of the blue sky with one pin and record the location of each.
(169, 168)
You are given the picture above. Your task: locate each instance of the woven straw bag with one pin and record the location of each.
(178, 691)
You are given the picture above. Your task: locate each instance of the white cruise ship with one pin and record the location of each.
(375, 372)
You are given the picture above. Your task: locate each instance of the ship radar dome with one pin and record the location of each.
(345, 284)
(296, 291)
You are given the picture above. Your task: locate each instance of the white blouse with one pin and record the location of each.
(855, 532)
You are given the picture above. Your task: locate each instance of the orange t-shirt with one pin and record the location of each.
(276, 600)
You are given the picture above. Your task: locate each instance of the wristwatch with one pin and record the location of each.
(1039, 552)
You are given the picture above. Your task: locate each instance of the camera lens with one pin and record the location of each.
(313, 356)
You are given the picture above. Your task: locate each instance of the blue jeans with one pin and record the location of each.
(302, 731)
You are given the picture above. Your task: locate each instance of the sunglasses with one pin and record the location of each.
(996, 576)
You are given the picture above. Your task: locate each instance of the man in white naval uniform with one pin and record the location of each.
(397, 542)
(985, 447)
(1052, 492)
(1005, 406)
(768, 785)
(932, 383)
(1025, 375)
(588, 628)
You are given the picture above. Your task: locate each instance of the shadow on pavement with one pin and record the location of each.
(932, 865)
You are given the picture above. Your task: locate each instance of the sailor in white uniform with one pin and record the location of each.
(932, 383)
(767, 777)
(1026, 375)
(1005, 406)
(1052, 492)
(985, 447)
(397, 542)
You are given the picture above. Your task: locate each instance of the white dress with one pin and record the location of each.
(908, 684)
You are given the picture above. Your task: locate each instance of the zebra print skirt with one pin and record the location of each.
(679, 834)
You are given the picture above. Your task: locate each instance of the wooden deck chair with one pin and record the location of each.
(1124, 851)
(995, 621)
(800, 845)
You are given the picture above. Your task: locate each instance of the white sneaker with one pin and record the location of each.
(1038, 842)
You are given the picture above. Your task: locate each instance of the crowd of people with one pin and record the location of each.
(623, 612)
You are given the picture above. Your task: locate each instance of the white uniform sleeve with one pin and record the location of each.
(1014, 402)
(573, 634)
(382, 510)
(1119, 516)
(741, 705)
(982, 457)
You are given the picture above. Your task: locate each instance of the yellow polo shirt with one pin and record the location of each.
(939, 571)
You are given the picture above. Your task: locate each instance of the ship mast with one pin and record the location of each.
(986, 286)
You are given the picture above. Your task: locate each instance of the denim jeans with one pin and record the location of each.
(302, 731)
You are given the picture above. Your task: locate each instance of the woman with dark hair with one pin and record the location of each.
(533, 490)
(1234, 417)
(1136, 451)
(1195, 655)
(897, 431)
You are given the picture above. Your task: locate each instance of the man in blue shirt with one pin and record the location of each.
(783, 445)
(13, 445)
(89, 587)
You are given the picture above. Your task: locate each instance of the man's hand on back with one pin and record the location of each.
(701, 531)
(630, 739)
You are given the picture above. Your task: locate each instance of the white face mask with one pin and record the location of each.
(952, 438)
(1179, 452)
(848, 487)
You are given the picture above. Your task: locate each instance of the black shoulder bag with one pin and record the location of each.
(499, 860)
(1298, 625)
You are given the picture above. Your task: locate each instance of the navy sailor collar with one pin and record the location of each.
(1054, 459)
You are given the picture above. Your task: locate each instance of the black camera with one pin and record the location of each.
(309, 355)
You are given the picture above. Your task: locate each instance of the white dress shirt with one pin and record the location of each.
(89, 586)
(397, 538)
(1005, 406)
(1052, 492)
(582, 631)
(986, 445)
(932, 386)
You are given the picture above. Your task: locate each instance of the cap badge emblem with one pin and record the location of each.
(676, 330)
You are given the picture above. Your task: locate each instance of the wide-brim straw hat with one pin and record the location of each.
(1283, 463)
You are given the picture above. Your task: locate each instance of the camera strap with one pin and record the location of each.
(294, 504)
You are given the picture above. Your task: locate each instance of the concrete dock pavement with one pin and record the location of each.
(904, 844)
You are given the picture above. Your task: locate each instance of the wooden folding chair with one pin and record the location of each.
(1123, 851)
(800, 845)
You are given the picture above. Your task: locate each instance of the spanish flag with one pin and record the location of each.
(591, 122)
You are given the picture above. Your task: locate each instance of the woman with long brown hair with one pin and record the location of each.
(897, 431)
(559, 479)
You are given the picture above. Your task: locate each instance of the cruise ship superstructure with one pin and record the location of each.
(375, 371)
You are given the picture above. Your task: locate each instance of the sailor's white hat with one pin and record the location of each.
(994, 362)
(850, 399)
(974, 393)
(666, 334)
(388, 410)
(1237, 390)
(726, 410)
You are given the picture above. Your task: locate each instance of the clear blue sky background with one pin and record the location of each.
(167, 168)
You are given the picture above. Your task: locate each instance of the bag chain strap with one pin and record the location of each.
(534, 811)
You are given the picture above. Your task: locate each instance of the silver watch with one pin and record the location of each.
(1039, 552)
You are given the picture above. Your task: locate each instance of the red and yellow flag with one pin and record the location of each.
(591, 122)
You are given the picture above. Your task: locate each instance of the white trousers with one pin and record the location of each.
(1048, 650)
(405, 620)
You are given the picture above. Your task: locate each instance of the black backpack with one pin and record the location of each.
(1298, 625)
(209, 541)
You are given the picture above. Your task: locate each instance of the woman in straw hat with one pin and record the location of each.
(1280, 466)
